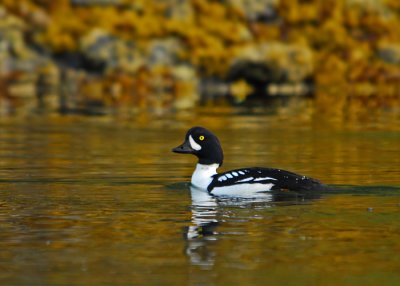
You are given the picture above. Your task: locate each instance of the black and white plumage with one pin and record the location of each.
(206, 146)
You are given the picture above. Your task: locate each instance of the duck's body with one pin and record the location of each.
(205, 145)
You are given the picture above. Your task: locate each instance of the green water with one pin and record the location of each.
(101, 201)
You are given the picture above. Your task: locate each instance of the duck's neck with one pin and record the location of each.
(202, 175)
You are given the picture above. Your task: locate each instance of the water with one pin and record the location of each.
(100, 201)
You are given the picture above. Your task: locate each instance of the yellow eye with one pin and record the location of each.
(201, 138)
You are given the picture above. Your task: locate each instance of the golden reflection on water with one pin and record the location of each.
(89, 202)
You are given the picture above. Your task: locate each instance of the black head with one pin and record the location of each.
(202, 143)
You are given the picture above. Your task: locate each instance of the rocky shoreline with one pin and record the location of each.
(80, 56)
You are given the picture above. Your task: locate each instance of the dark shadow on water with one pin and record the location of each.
(362, 190)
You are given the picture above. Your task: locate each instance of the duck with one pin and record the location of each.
(205, 145)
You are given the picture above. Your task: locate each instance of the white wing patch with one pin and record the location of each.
(264, 178)
(233, 174)
(245, 180)
(193, 144)
(222, 178)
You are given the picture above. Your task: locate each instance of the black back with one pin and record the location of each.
(280, 179)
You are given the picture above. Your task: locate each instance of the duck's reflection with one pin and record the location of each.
(204, 212)
(207, 211)
(202, 231)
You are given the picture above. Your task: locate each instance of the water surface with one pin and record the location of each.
(99, 201)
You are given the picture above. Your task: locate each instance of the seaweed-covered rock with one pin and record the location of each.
(389, 52)
(186, 86)
(164, 51)
(270, 63)
(100, 46)
(261, 10)
(12, 41)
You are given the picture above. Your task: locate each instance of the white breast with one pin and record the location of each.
(202, 175)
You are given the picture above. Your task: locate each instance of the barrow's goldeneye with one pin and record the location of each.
(206, 146)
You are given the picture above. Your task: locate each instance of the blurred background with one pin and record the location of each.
(95, 93)
(98, 56)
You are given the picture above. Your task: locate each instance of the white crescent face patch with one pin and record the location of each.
(193, 144)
